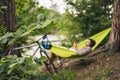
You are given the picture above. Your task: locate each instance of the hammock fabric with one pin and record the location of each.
(66, 53)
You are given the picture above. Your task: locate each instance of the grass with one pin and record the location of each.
(61, 75)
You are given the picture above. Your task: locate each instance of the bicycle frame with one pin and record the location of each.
(42, 50)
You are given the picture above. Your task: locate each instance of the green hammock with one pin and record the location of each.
(66, 53)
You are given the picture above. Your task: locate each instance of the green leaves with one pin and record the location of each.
(2, 8)
(88, 18)
(41, 17)
(24, 68)
(40, 60)
(20, 60)
(11, 66)
(4, 38)
(23, 31)
(30, 20)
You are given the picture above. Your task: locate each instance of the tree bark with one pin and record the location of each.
(9, 14)
(114, 41)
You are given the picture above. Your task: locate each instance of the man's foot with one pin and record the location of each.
(59, 65)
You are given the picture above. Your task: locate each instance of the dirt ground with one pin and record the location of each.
(104, 65)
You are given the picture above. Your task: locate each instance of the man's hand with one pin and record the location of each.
(75, 45)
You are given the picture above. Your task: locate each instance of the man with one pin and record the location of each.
(81, 52)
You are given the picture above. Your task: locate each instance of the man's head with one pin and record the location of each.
(90, 43)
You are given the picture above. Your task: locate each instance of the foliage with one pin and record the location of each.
(25, 25)
(23, 68)
(2, 32)
(93, 16)
(27, 11)
(2, 8)
(11, 37)
(30, 19)
(87, 18)
(2, 25)
(65, 75)
(12, 67)
(27, 22)
(68, 27)
(61, 75)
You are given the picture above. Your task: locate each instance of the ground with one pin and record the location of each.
(101, 67)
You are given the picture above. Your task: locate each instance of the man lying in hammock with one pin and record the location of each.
(83, 51)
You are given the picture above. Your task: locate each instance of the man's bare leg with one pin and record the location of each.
(47, 64)
(59, 63)
(50, 54)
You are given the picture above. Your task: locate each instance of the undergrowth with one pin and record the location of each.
(24, 68)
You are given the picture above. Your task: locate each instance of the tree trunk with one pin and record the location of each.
(9, 14)
(9, 19)
(114, 40)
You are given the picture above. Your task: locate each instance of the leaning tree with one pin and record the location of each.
(113, 43)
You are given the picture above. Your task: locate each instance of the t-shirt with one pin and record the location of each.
(83, 51)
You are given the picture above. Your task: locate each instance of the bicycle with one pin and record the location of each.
(44, 45)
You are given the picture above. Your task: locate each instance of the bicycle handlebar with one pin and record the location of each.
(46, 35)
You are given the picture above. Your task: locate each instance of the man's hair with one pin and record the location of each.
(92, 42)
